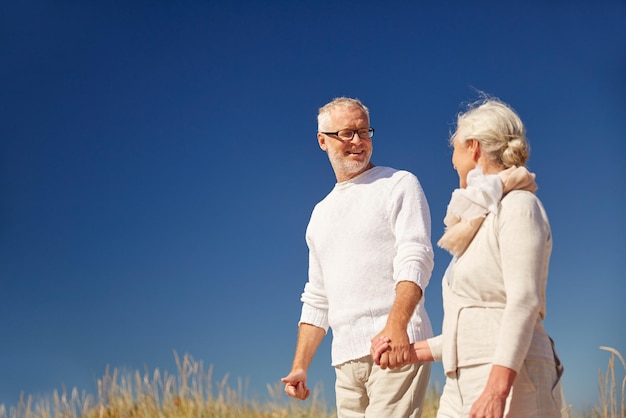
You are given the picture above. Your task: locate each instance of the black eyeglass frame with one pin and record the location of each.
(370, 133)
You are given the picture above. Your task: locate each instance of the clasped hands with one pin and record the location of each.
(391, 351)
(382, 351)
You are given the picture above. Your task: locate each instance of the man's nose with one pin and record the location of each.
(355, 137)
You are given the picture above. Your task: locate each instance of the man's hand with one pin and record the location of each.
(295, 384)
(398, 351)
(408, 295)
(309, 338)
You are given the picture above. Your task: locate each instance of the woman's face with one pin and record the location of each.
(464, 157)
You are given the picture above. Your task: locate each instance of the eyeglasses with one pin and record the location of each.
(348, 134)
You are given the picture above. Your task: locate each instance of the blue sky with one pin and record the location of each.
(158, 166)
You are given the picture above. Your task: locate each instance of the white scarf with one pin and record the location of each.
(468, 207)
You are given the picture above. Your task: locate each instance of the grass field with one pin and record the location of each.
(192, 393)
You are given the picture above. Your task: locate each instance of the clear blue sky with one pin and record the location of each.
(158, 166)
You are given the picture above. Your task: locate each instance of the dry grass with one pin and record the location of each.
(612, 398)
(191, 393)
(611, 404)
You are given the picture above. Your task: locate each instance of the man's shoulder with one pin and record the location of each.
(396, 173)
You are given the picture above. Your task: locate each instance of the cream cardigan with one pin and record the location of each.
(494, 303)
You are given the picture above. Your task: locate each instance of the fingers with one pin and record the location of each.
(388, 355)
(295, 386)
(397, 359)
(378, 347)
(298, 391)
(384, 360)
(393, 359)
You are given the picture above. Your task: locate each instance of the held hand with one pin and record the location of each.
(295, 384)
(379, 346)
(399, 351)
(419, 352)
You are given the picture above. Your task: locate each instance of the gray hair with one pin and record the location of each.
(323, 115)
(498, 129)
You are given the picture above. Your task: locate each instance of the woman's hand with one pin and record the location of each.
(488, 405)
(491, 403)
(378, 347)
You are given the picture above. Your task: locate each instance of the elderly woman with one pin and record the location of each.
(498, 359)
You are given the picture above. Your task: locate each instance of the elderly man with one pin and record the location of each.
(370, 259)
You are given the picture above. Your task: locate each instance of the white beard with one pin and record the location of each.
(341, 164)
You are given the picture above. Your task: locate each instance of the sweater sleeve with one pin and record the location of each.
(436, 347)
(314, 300)
(410, 221)
(525, 245)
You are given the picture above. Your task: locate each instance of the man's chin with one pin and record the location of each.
(348, 166)
(355, 167)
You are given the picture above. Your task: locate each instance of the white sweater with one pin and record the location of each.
(365, 236)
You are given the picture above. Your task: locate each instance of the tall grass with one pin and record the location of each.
(610, 405)
(192, 393)
(612, 398)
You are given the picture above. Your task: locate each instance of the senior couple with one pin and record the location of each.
(370, 260)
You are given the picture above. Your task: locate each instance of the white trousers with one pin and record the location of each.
(536, 391)
(363, 389)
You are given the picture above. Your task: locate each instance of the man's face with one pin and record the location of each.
(348, 158)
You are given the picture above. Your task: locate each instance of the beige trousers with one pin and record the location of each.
(536, 391)
(363, 389)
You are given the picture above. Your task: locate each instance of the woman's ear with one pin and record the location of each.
(474, 146)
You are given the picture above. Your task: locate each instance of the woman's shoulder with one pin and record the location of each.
(519, 197)
(521, 202)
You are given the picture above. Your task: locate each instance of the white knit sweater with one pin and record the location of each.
(364, 237)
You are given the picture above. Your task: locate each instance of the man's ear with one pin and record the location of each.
(321, 140)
